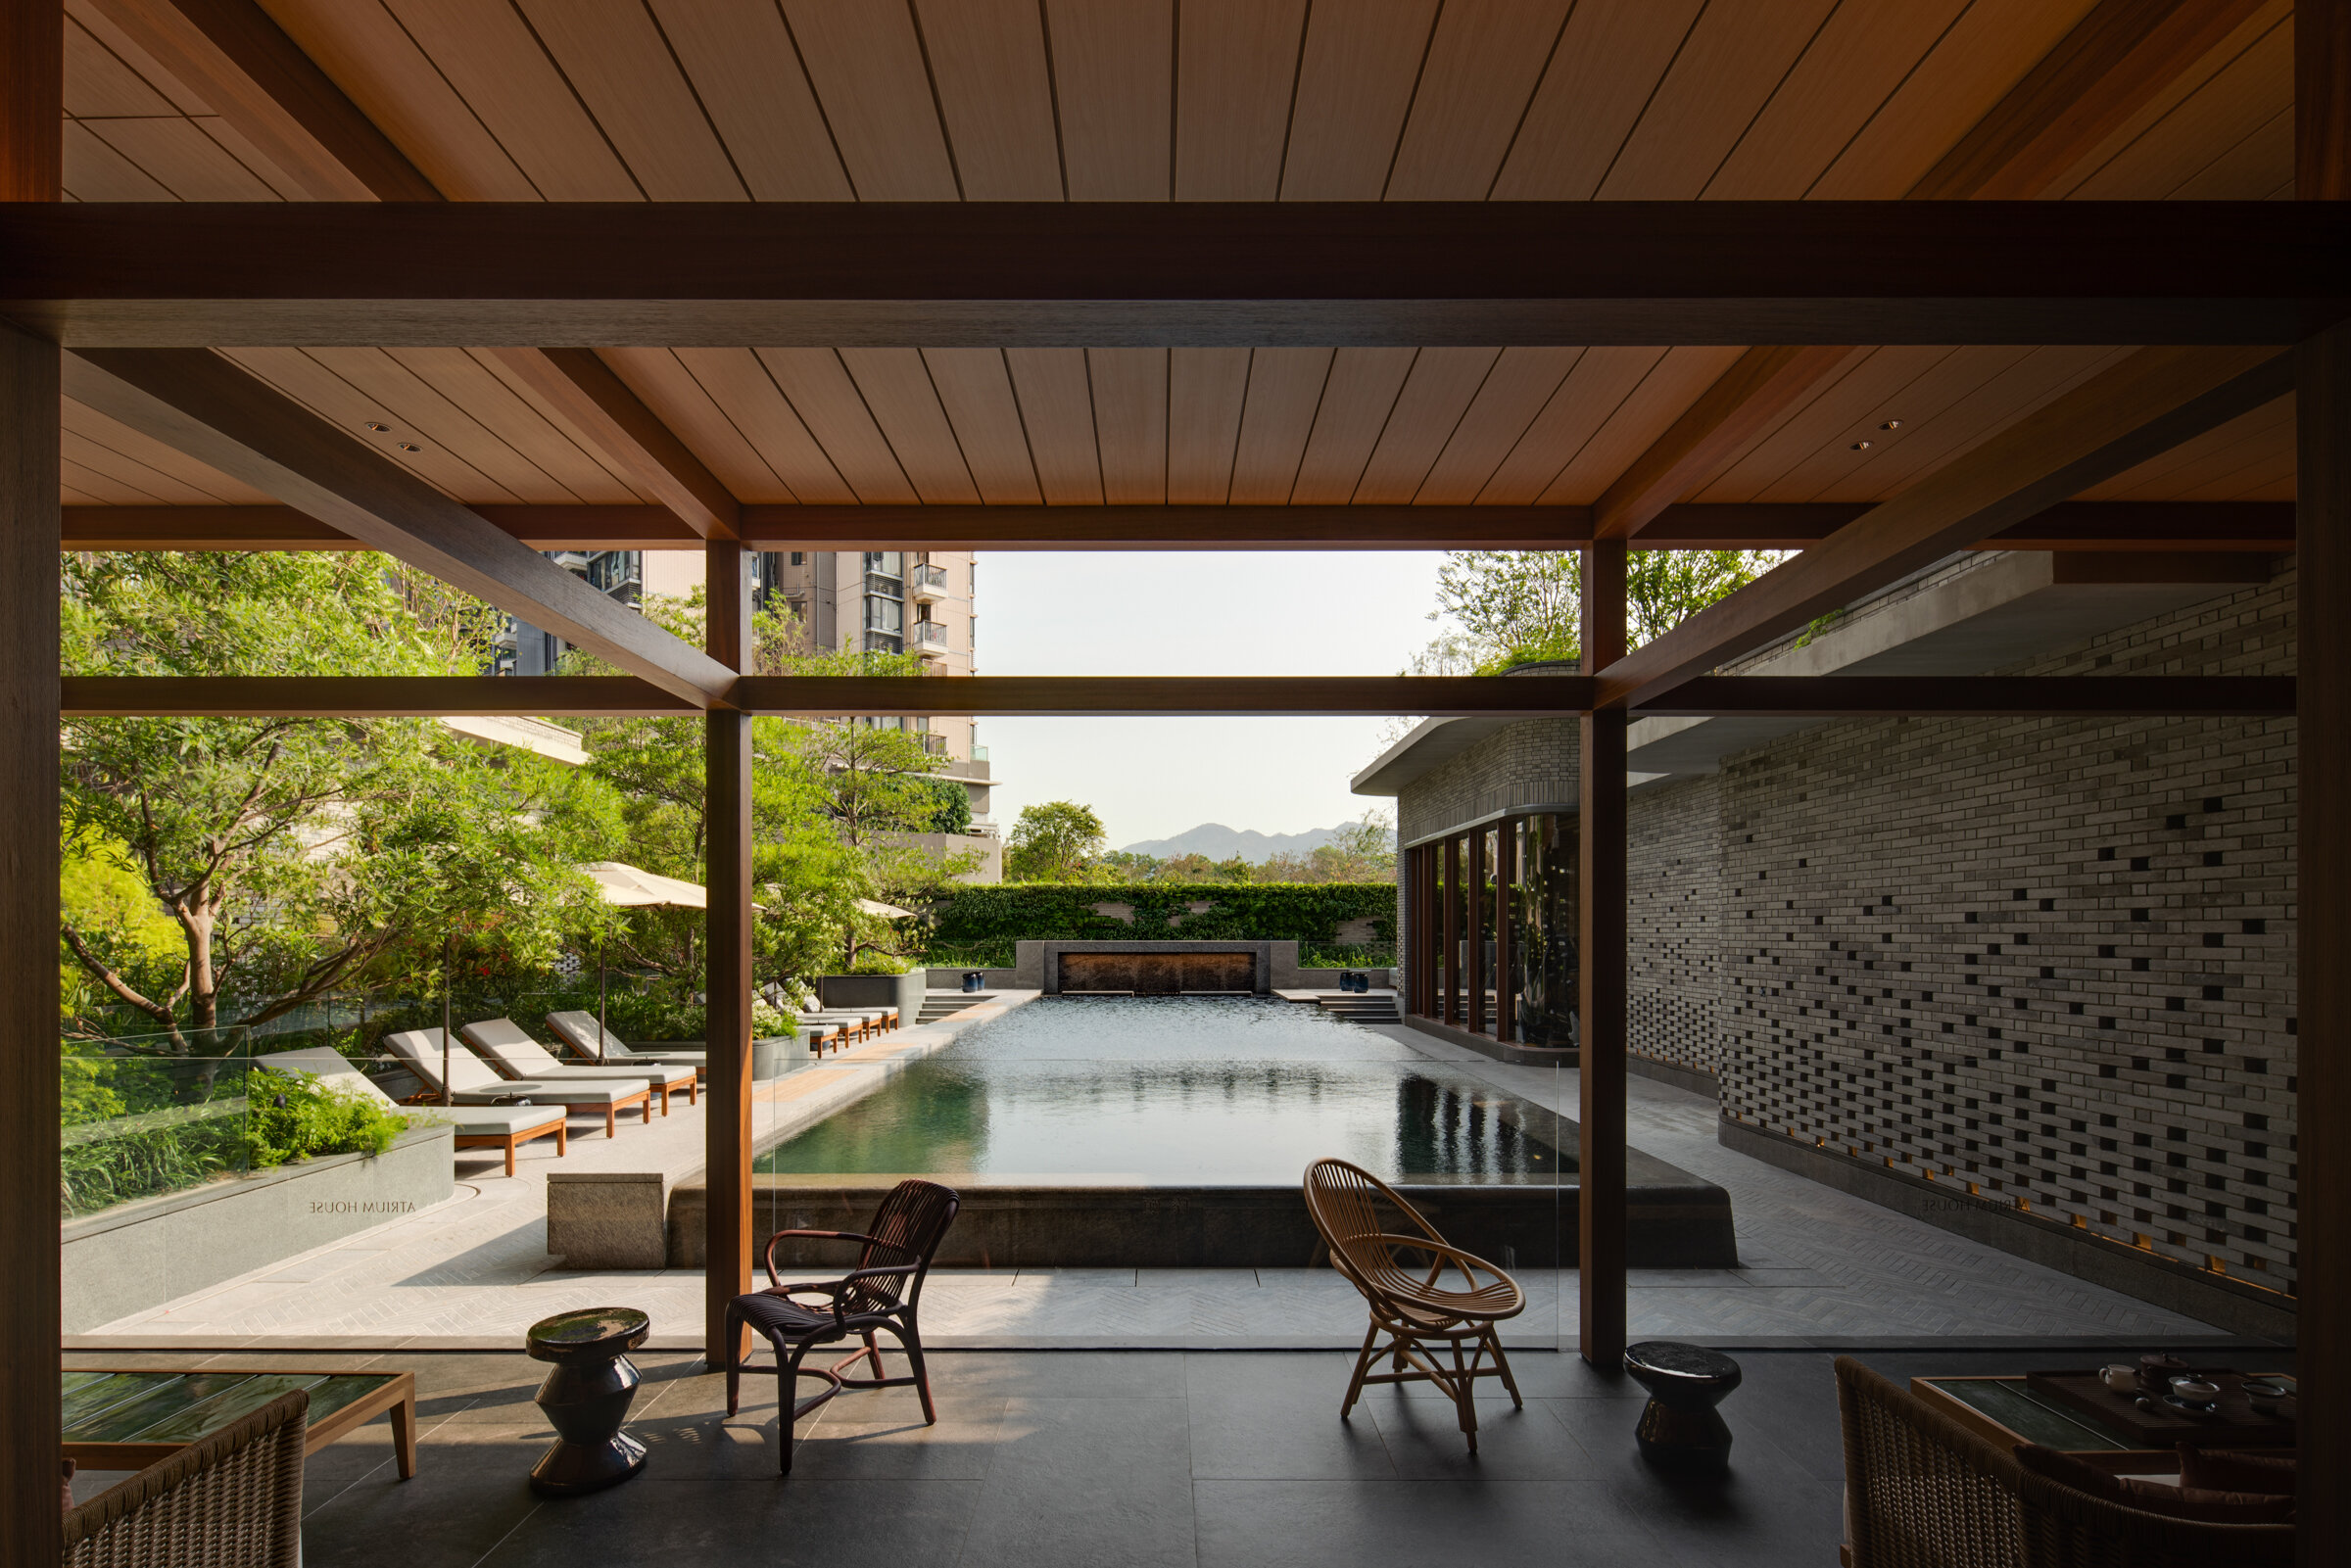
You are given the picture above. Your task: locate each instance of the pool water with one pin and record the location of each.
(1178, 1091)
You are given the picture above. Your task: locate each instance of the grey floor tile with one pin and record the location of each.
(465, 1498)
(844, 1523)
(1276, 1417)
(1424, 1439)
(1410, 1524)
(1088, 1481)
(1060, 1374)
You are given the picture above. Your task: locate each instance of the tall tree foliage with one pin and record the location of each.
(1054, 842)
(1514, 606)
(293, 857)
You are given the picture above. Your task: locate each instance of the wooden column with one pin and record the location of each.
(1506, 872)
(1600, 976)
(1473, 926)
(31, 117)
(1448, 895)
(727, 757)
(2323, 655)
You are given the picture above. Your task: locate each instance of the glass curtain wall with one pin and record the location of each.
(1492, 930)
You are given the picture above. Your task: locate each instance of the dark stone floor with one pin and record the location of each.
(1101, 1459)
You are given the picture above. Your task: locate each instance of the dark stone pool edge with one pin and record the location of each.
(1675, 1221)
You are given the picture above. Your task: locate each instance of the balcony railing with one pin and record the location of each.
(926, 584)
(935, 744)
(927, 636)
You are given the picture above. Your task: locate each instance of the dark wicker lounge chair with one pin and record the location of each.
(232, 1501)
(879, 1295)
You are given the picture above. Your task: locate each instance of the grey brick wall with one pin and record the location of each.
(2052, 959)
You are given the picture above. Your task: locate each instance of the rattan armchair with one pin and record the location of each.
(232, 1501)
(1409, 1304)
(1922, 1492)
(883, 1294)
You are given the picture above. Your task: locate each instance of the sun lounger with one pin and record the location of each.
(579, 1035)
(501, 1126)
(471, 1079)
(506, 1047)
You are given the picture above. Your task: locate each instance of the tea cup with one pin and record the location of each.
(2119, 1378)
(2196, 1390)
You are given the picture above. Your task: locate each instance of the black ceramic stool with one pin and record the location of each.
(1680, 1427)
(587, 1397)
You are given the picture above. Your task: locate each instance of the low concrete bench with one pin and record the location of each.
(608, 1218)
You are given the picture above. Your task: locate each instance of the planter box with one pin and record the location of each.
(142, 1255)
(904, 992)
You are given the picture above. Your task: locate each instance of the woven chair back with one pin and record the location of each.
(907, 1229)
(1344, 1201)
(233, 1500)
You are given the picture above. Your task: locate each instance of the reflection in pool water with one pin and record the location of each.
(1178, 1091)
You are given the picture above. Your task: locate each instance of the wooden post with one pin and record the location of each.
(1473, 926)
(727, 756)
(1450, 893)
(1506, 872)
(32, 118)
(2322, 693)
(1599, 978)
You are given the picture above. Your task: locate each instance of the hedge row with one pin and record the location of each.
(1306, 912)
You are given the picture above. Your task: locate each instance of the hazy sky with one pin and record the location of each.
(1195, 614)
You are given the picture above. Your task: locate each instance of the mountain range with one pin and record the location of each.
(1219, 843)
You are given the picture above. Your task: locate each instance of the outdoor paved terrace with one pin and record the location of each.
(1094, 1459)
(1817, 1266)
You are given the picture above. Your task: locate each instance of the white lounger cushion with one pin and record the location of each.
(518, 1056)
(579, 1032)
(470, 1077)
(333, 1068)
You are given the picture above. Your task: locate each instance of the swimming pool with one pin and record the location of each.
(1186, 1091)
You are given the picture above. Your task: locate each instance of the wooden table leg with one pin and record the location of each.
(404, 1437)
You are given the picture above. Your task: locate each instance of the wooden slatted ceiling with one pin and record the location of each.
(1130, 99)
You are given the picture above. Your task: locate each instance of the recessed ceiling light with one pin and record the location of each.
(1892, 424)
(1861, 445)
(409, 446)
(377, 424)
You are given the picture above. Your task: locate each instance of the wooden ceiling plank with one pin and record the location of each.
(1519, 387)
(739, 57)
(1237, 65)
(181, 94)
(866, 68)
(152, 485)
(2036, 378)
(183, 159)
(1608, 62)
(995, 91)
(1057, 409)
(201, 403)
(1938, 379)
(897, 392)
(295, 374)
(589, 399)
(743, 401)
(418, 410)
(104, 484)
(818, 387)
(1599, 385)
(2230, 106)
(247, 152)
(469, 382)
(2123, 55)
(509, 84)
(396, 89)
(2177, 92)
(1435, 398)
(1357, 396)
(1114, 74)
(1207, 390)
(1130, 422)
(619, 64)
(1677, 379)
(1843, 78)
(1356, 78)
(1849, 406)
(1285, 386)
(96, 173)
(1485, 59)
(115, 435)
(1719, 81)
(976, 390)
(2264, 433)
(2262, 163)
(2154, 399)
(99, 84)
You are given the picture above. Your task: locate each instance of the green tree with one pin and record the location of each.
(1054, 843)
(295, 857)
(1514, 606)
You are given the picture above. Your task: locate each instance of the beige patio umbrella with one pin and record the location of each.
(628, 887)
(886, 911)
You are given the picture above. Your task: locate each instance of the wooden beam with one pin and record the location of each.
(2148, 404)
(1311, 273)
(365, 697)
(1901, 696)
(243, 65)
(1602, 890)
(1090, 696)
(2322, 782)
(2111, 64)
(32, 111)
(197, 403)
(594, 401)
(2102, 527)
(727, 832)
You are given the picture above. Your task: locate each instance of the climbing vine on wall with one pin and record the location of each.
(1305, 912)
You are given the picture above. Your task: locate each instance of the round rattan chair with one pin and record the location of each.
(1409, 1304)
